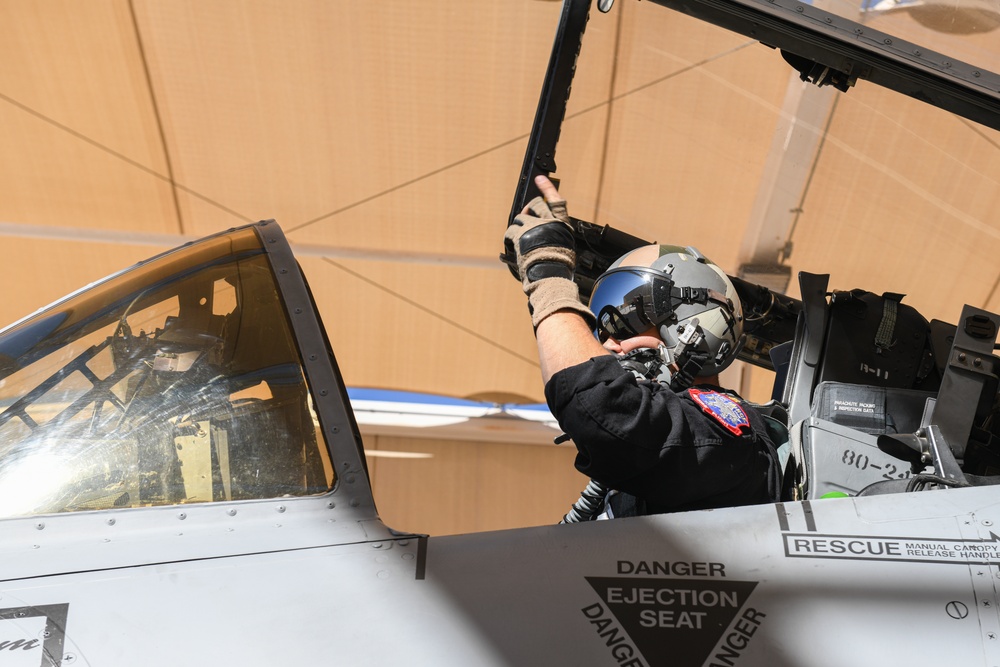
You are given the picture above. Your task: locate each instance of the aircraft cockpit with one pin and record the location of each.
(878, 398)
(882, 401)
(176, 381)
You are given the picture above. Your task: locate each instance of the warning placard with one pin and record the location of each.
(915, 549)
(670, 621)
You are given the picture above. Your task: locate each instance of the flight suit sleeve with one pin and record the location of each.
(644, 439)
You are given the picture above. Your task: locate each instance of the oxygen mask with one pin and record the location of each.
(676, 367)
(649, 364)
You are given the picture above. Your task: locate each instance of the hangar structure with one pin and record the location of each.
(386, 139)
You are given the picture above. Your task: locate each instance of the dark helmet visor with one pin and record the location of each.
(629, 300)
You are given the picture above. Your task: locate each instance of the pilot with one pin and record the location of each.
(636, 388)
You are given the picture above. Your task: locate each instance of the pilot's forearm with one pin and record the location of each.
(565, 339)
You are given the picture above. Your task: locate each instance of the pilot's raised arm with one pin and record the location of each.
(636, 387)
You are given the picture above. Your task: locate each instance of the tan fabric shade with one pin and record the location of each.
(395, 130)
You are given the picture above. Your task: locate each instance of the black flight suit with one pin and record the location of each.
(674, 452)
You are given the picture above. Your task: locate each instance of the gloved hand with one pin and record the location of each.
(542, 239)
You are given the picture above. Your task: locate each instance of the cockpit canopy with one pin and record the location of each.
(176, 381)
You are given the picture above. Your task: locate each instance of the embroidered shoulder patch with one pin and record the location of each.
(722, 408)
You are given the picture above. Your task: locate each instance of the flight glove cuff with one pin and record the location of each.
(542, 239)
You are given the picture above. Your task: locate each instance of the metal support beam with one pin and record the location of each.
(789, 166)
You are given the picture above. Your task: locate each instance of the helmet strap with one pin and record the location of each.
(688, 368)
(687, 357)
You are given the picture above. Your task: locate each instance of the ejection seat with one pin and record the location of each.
(874, 391)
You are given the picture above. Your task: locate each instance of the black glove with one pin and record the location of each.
(542, 239)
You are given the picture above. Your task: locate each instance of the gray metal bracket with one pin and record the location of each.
(970, 365)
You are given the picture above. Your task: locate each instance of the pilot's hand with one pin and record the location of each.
(542, 239)
(549, 205)
(543, 225)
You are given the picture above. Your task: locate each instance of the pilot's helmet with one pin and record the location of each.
(665, 286)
